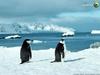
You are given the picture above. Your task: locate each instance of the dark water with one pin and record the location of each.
(49, 40)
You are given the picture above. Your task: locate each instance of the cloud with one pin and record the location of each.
(75, 16)
(16, 8)
(81, 21)
(81, 14)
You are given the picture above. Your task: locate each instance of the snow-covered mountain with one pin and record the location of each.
(29, 28)
(13, 28)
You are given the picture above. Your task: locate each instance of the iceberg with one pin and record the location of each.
(13, 37)
(37, 41)
(69, 33)
(95, 32)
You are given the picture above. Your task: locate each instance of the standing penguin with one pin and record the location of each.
(59, 51)
(25, 52)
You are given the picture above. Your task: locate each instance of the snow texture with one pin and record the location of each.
(85, 62)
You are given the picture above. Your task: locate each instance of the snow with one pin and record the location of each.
(95, 32)
(85, 62)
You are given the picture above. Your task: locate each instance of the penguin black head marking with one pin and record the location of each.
(26, 42)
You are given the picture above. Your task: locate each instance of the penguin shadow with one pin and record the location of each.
(44, 60)
(32, 61)
(26, 62)
(72, 60)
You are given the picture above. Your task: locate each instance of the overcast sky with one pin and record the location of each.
(69, 13)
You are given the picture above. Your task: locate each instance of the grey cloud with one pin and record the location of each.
(81, 24)
(15, 8)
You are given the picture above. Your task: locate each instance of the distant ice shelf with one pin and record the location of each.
(95, 32)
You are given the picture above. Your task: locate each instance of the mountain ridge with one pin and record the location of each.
(29, 28)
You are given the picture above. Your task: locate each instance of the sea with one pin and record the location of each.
(47, 40)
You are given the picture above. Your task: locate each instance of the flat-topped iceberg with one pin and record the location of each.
(95, 32)
(69, 33)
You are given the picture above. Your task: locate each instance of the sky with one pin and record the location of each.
(68, 13)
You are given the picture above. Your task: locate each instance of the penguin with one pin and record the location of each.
(59, 51)
(25, 52)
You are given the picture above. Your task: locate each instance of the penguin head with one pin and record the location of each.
(28, 41)
(62, 41)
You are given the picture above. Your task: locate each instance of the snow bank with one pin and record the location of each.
(76, 63)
